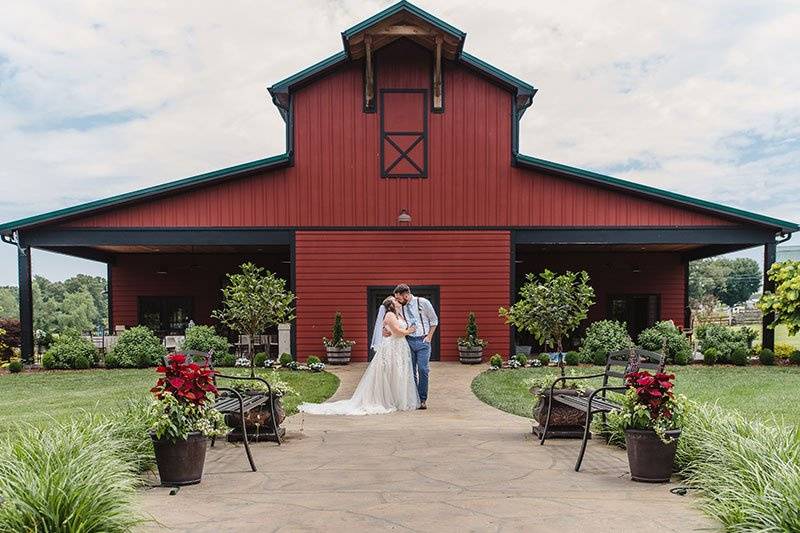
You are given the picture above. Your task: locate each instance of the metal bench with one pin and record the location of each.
(596, 402)
(232, 401)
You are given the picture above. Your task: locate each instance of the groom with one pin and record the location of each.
(418, 312)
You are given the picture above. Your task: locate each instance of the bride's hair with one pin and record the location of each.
(388, 304)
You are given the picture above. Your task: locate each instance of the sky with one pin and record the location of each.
(100, 98)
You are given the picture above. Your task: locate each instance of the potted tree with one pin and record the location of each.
(652, 417)
(337, 346)
(252, 301)
(182, 418)
(470, 346)
(550, 307)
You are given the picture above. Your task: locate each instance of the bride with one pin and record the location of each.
(388, 383)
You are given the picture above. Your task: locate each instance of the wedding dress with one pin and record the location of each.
(387, 385)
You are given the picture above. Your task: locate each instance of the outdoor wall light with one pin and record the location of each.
(162, 271)
(404, 217)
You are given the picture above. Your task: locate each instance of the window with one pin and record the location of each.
(165, 315)
(638, 311)
(404, 133)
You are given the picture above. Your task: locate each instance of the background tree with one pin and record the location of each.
(731, 281)
(9, 302)
(551, 306)
(784, 301)
(252, 301)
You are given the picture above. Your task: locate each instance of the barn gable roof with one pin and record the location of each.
(281, 91)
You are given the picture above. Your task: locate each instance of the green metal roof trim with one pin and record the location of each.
(403, 5)
(542, 164)
(200, 179)
(285, 84)
(521, 86)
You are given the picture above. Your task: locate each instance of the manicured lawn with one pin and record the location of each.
(781, 335)
(38, 397)
(757, 392)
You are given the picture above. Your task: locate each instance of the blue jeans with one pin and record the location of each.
(420, 359)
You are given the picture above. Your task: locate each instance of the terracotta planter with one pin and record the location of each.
(470, 356)
(565, 422)
(339, 356)
(257, 421)
(180, 463)
(649, 459)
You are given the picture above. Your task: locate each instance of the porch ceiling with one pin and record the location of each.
(189, 249)
(532, 248)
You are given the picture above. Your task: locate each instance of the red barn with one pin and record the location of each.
(401, 165)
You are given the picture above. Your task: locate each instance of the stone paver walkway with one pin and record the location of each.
(459, 466)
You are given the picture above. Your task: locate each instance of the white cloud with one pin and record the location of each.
(696, 97)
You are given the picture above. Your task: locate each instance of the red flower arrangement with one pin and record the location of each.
(188, 382)
(654, 391)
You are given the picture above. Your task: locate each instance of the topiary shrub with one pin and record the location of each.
(572, 358)
(285, 360)
(602, 337)
(312, 359)
(710, 356)
(260, 358)
(205, 339)
(740, 356)
(795, 357)
(653, 339)
(64, 351)
(682, 358)
(522, 359)
(496, 361)
(15, 366)
(544, 359)
(766, 357)
(723, 339)
(138, 347)
(81, 363)
(228, 360)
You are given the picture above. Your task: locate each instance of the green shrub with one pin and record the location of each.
(572, 358)
(68, 477)
(15, 366)
(205, 339)
(81, 363)
(795, 357)
(65, 351)
(767, 357)
(783, 350)
(138, 347)
(602, 337)
(724, 339)
(285, 360)
(312, 359)
(653, 339)
(496, 361)
(49, 361)
(112, 361)
(710, 356)
(259, 359)
(522, 359)
(740, 356)
(544, 359)
(682, 358)
(228, 361)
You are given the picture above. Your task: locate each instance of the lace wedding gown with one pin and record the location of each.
(387, 385)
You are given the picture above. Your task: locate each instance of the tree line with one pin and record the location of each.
(79, 302)
(729, 281)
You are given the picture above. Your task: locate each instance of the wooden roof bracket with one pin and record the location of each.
(438, 100)
(369, 76)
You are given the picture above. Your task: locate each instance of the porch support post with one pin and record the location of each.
(109, 301)
(25, 303)
(767, 334)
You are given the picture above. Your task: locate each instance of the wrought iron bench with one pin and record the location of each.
(232, 401)
(597, 402)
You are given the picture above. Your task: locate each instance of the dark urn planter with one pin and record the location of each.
(565, 422)
(181, 462)
(649, 459)
(339, 356)
(470, 356)
(258, 421)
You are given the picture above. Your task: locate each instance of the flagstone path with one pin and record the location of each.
(459, 466)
